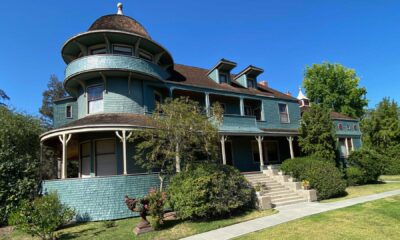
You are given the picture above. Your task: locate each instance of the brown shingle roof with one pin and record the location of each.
(195, 76)
(336, 115)
(111, 119)
(121, 23)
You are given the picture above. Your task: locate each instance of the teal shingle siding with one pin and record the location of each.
(272, 118)
(101, 198)
(59, 111)
(346, 131)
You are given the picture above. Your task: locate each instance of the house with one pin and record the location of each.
(115, 75)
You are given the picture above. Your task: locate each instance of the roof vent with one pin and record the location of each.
(120, 6)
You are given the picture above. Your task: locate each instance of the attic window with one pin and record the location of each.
(223, 78)
(145, 55)
(68, 111)
(122, 50)
(251, 83)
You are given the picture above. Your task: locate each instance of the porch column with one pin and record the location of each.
(123, 139)
(262, 111)
(207, 100)
(223, 139)
(64, 138)
(347, 147)
(241, 107)
(260, 150)
(290, 140)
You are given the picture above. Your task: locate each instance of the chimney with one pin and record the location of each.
(289, 93)
(263, 83)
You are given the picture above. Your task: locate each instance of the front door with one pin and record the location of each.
(106, 163)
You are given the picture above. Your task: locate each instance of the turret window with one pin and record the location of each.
(122, 50)
(99, 50)
(145, 55)
(68, 111)
(95, 99)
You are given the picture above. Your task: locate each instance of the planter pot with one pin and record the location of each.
(258, 194)
(306, 187)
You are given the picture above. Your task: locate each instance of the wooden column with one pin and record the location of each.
(347, 147)
(207, 100)
(64, 138)
(260, 150)
(123, 139)
(223, 139)
(290, 140)
(241, 106)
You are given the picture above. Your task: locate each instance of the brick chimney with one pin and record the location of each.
(263, 83)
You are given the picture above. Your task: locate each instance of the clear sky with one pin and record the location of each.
(282, 37)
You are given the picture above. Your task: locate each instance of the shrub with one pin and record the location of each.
(156, 207)
(209, 191)
(355, 176)
(392, 161)
(368, 162)
(42, 216)
(322, 175)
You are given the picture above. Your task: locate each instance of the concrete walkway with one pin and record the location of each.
(286, 214)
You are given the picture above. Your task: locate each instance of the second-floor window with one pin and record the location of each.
(251, 83)
(68, 111)
(122, 50)
(223, 78)
(283, 113)
(95, 98)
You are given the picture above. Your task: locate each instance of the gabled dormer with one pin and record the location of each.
(248, 77)
(221, 72)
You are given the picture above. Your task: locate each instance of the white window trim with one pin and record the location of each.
(66, 107)
(87, 97)
(125, 46)
(287, 112)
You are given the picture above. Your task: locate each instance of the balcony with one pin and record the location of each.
(239, 124)
(114, 62)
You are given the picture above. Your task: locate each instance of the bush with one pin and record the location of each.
(392, 161)
(368, 162)
(322, 175)
(42, 216)
(209, 191)
(355, 176)
(156, 207)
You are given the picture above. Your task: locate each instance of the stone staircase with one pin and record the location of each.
(279, 193)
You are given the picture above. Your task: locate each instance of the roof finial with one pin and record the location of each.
(119, 6)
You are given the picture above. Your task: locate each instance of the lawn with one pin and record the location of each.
(373, 220)
(390, 178)
(368, 189)
(123, 228)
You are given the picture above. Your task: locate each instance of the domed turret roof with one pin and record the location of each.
(120, 23)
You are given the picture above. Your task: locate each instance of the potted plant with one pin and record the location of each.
(305, 184)
(257, 187)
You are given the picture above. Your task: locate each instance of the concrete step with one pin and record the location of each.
(263, 181)
(296, 197)
(277, 191)
(283, 195)
(283, 203)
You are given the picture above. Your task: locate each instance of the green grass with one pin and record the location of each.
(363, 190)
(123, 228)
(390, 178)
(373, 220)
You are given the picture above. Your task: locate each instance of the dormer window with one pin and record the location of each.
(122, 50)
(68, 111)
(283, 113)
(251, 83)
(145, 55)
(223, 78)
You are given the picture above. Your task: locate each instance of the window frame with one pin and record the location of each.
(144, 52)
(66, 111)
(87, 98)
(253, 83)
(287, 113)
(123, 46)
(97, 47)
(225, 76)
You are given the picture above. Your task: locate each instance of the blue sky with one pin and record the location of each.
(282, 37)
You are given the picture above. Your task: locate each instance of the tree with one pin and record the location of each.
(335, 86)
(317, 133)
(55, 91)
(181, 134)
(381, 127)
(3, 96)
(19, 159)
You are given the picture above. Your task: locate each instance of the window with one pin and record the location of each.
(248, 110)
(85, 160)
(340, 126)
(272, 151)
(251, 83)
(145, 55)
(106, 163)
(95, 99)
(283, 113)
(99, 50)
(68, 111)
(306, 102)
(223, 78)
(348, 127)
(122, 50)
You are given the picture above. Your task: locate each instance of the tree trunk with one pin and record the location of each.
(161, 181)
(177, 159)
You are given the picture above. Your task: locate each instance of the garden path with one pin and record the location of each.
(286, 214)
